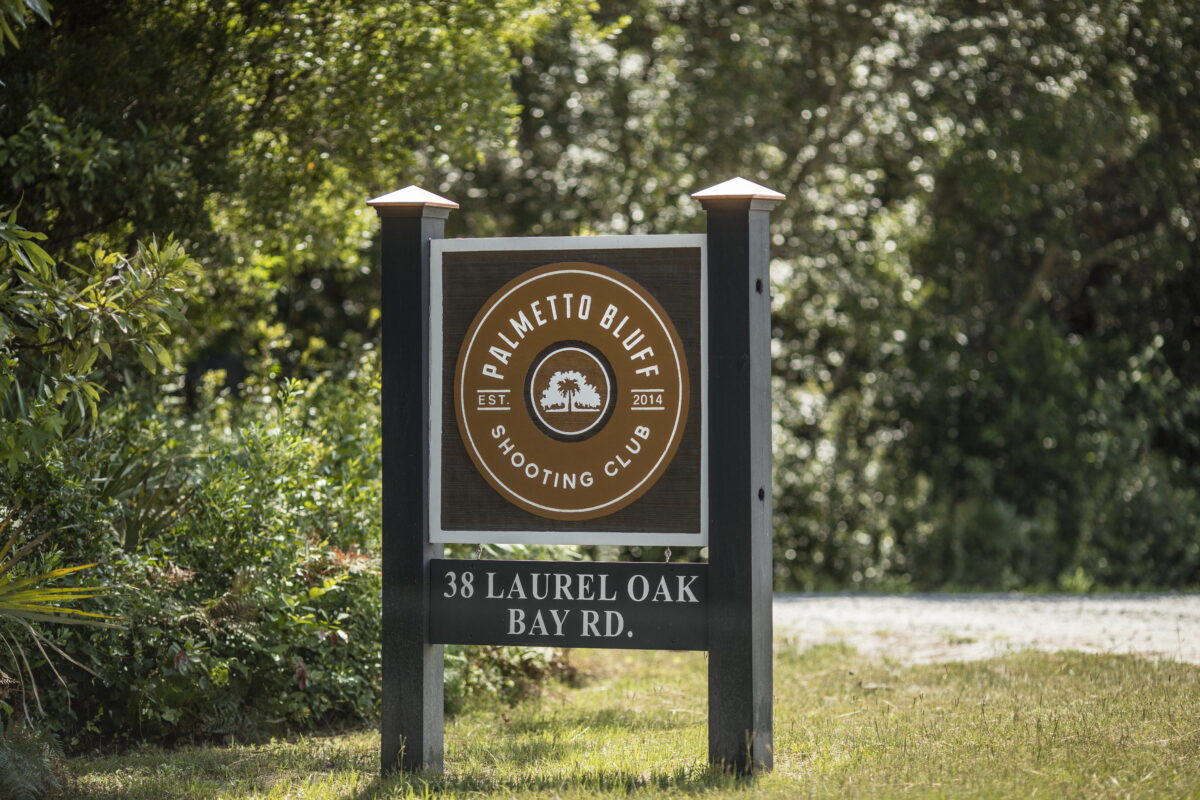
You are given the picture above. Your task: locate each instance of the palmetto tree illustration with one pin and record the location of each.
(569, 391)
(569, 387)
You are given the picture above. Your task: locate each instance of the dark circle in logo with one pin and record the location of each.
(569, 391)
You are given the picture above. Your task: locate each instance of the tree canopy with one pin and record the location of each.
(252, 132)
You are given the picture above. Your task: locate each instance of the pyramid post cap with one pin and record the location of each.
(412, 196)
(737, 189)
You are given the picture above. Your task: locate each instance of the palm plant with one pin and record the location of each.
(25, 600)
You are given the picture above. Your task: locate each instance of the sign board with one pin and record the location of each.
(569, 604)
(566, 390)
(560, 390)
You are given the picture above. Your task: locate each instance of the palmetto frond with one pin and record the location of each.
(29, 599)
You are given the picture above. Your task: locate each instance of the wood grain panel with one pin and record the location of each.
(672, 275)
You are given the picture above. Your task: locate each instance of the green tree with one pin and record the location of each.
(982, 285)
(253, 132)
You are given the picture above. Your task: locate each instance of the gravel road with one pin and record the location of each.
(925, 628)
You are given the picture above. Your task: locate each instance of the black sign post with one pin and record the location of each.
(723, 606)
(413, 684)
(739, 616)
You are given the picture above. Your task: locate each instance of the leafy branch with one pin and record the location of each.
(59, 323)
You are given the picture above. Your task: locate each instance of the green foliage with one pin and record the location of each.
(258, 609)
(17, 12)
(251, 597)
(982, 289)
(253, 133)
(507, 673)
(244, 535)
(64, 331)
(26, 599)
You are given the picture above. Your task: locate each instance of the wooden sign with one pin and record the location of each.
(560, 390)
(567, 377)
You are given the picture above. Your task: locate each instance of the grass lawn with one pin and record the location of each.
(1027, 725)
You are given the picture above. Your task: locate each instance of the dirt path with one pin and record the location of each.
(924, 628)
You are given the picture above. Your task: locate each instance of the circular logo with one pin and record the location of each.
(571, 391)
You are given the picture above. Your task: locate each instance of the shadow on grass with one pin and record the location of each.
(602, 719)
(523, 766)
(523, 751)
(152, 773)
(156, 762)
(683, 780)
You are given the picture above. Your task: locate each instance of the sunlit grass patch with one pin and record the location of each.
(1024, 725)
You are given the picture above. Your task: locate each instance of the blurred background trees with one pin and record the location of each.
(984, 279)
(983, 287)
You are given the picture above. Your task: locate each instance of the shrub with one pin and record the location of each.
(30, 764)
(252, 593)
(507, 673)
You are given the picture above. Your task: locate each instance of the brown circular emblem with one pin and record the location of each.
(571, 391)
